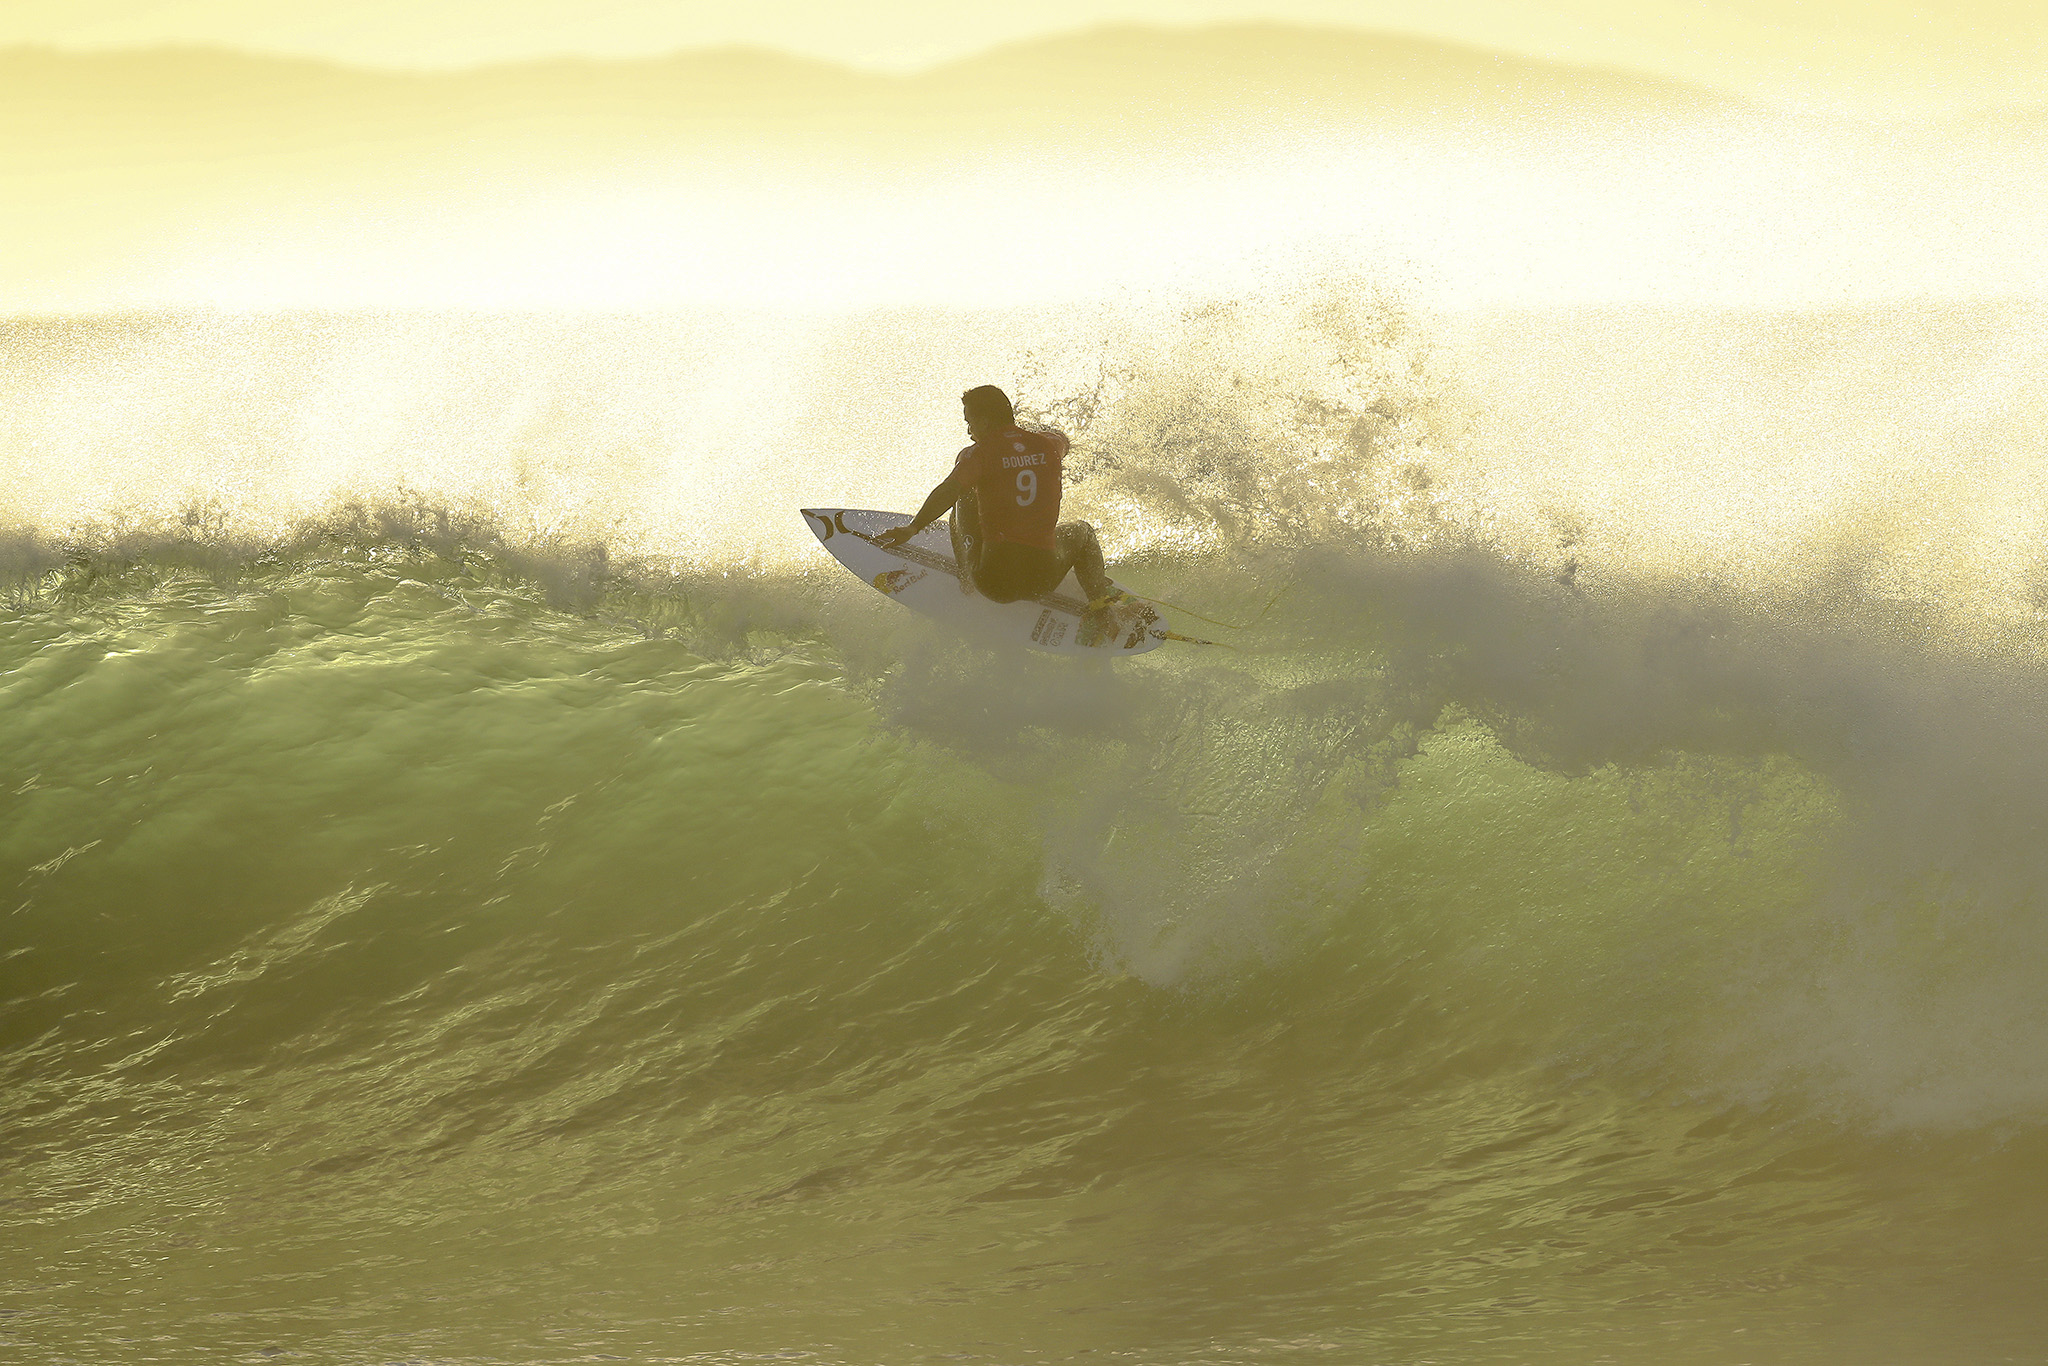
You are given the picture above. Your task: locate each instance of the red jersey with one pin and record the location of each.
(1017, 475)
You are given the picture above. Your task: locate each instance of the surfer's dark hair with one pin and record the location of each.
(988, 404)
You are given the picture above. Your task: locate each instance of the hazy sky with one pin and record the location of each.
(1972, 52)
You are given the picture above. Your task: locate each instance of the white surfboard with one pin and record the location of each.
(921, 574)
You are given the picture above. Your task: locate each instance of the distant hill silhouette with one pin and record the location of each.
(185, 174)
(1104, 87)
(1283, 70)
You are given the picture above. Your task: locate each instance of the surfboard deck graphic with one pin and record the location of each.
(922, 575)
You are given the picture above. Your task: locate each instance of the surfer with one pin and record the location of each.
(1005, 494)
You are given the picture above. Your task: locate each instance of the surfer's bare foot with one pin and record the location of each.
(1107, 610)
(1106, 616)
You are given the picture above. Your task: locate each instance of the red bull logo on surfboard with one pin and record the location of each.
(893, 581)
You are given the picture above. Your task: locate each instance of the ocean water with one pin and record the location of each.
(480, 886)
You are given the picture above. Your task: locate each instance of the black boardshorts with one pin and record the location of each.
(1008, 572)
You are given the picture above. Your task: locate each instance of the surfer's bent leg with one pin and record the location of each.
(1082, 553)
(1009, 572)
(966, 528)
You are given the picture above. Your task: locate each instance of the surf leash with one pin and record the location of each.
(1226, 625)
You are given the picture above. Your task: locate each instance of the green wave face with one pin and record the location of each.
(425, 943)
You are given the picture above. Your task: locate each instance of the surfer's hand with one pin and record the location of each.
(894, 536)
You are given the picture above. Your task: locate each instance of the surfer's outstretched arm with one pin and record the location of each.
(935, 506)
(965, 526)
